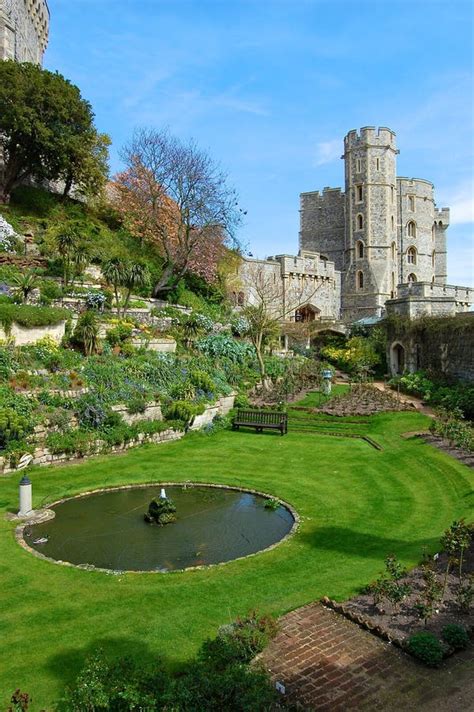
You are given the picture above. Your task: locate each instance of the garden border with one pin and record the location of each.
(19, 530)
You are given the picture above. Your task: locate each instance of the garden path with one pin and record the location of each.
(329, 664)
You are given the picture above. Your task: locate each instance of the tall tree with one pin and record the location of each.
(175, 197)
(269, 306)
(47, 131)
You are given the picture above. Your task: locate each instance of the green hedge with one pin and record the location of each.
(30, 316)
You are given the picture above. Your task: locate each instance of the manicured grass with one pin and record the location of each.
(356, 504)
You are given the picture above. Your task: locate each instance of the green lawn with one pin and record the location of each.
(356, 504)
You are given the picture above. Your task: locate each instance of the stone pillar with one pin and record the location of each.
(26, 499)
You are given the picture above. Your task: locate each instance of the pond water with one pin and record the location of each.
(107, 529)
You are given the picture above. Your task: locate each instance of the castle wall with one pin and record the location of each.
(285, 283)
(24, 29)
(322, 218)
(382, 231)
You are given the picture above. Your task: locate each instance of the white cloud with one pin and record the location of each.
(328, 151)
(461, 202)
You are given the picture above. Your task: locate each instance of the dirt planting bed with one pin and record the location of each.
(397, 623)
(364, 400)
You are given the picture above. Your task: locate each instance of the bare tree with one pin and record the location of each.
(270, 304)
(174, 196)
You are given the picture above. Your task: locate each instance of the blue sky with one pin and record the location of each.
(270, 88)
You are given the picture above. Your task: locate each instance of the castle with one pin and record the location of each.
(378, 246)
(24, 29)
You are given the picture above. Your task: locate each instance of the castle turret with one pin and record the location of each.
(440, 225)
(371, 255)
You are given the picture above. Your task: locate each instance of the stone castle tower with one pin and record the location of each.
(382, 231)
(24, 29)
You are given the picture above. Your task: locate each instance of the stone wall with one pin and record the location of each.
(439, 344)
(23, 335)
(24, 29)
(43, 457)
(289, 282)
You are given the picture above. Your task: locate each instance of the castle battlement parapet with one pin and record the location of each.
(442, 215)
(370, 136)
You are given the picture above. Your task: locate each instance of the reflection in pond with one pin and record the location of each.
(107, 529)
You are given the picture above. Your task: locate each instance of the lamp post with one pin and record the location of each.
(26, 498)
(327, 378)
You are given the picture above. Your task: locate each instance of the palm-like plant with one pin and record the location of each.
(80, 259)
(114, 271)
(136, 275)
(66, 243)
(24, 284)
(86, 333)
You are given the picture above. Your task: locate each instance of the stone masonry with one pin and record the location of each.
(24, 29)
(382, 232)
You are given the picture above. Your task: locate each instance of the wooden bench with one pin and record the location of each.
(261, 420)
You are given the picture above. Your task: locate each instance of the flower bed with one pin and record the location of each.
(429, 600)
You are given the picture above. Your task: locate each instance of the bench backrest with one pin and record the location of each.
(263, 417)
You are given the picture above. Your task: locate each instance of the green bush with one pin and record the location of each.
(31, 316)
(13, 426)
(136, 405)
(455, 636)
(238, 642)
(50, 290)
(201, 380)
(438, 391)
(119, 334)
(182, 410)
(426, 647)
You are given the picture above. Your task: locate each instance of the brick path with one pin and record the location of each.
(329, 664)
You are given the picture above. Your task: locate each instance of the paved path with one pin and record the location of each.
(329, 664)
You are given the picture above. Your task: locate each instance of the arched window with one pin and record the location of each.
(411, 229)
(360, 280)
(394, 251)
(411, 256)
(359, 249)
(411, 278)
(360, 221)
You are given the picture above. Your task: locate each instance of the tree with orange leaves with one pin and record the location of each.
(173, 196)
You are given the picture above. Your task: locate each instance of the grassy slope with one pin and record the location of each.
(356, 504)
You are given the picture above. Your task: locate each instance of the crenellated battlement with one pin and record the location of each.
(24, 30)
(370, 136)
(442, 215)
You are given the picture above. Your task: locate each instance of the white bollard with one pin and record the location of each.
(26, 497)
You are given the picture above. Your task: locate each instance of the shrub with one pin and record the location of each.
(91, 411)
(13, 426)
(86, 333)
(201, 380)
(182, 410)
(426, 647)
(136, 405)
(119, 334)
(50, 290)
(30, 316)
(220, 346)
(455, 636)
(238, 642)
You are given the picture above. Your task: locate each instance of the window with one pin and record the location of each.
(411, 203)
(411, 256)
(359, 193)
(359, 165)
(360, 221)
(391, 194)
(360, 280)
(433, 259)
(394, 251)
(392, 293)
(393, 223)
(411, 278)
(359, 249)
(377, 163)
(411, 229)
